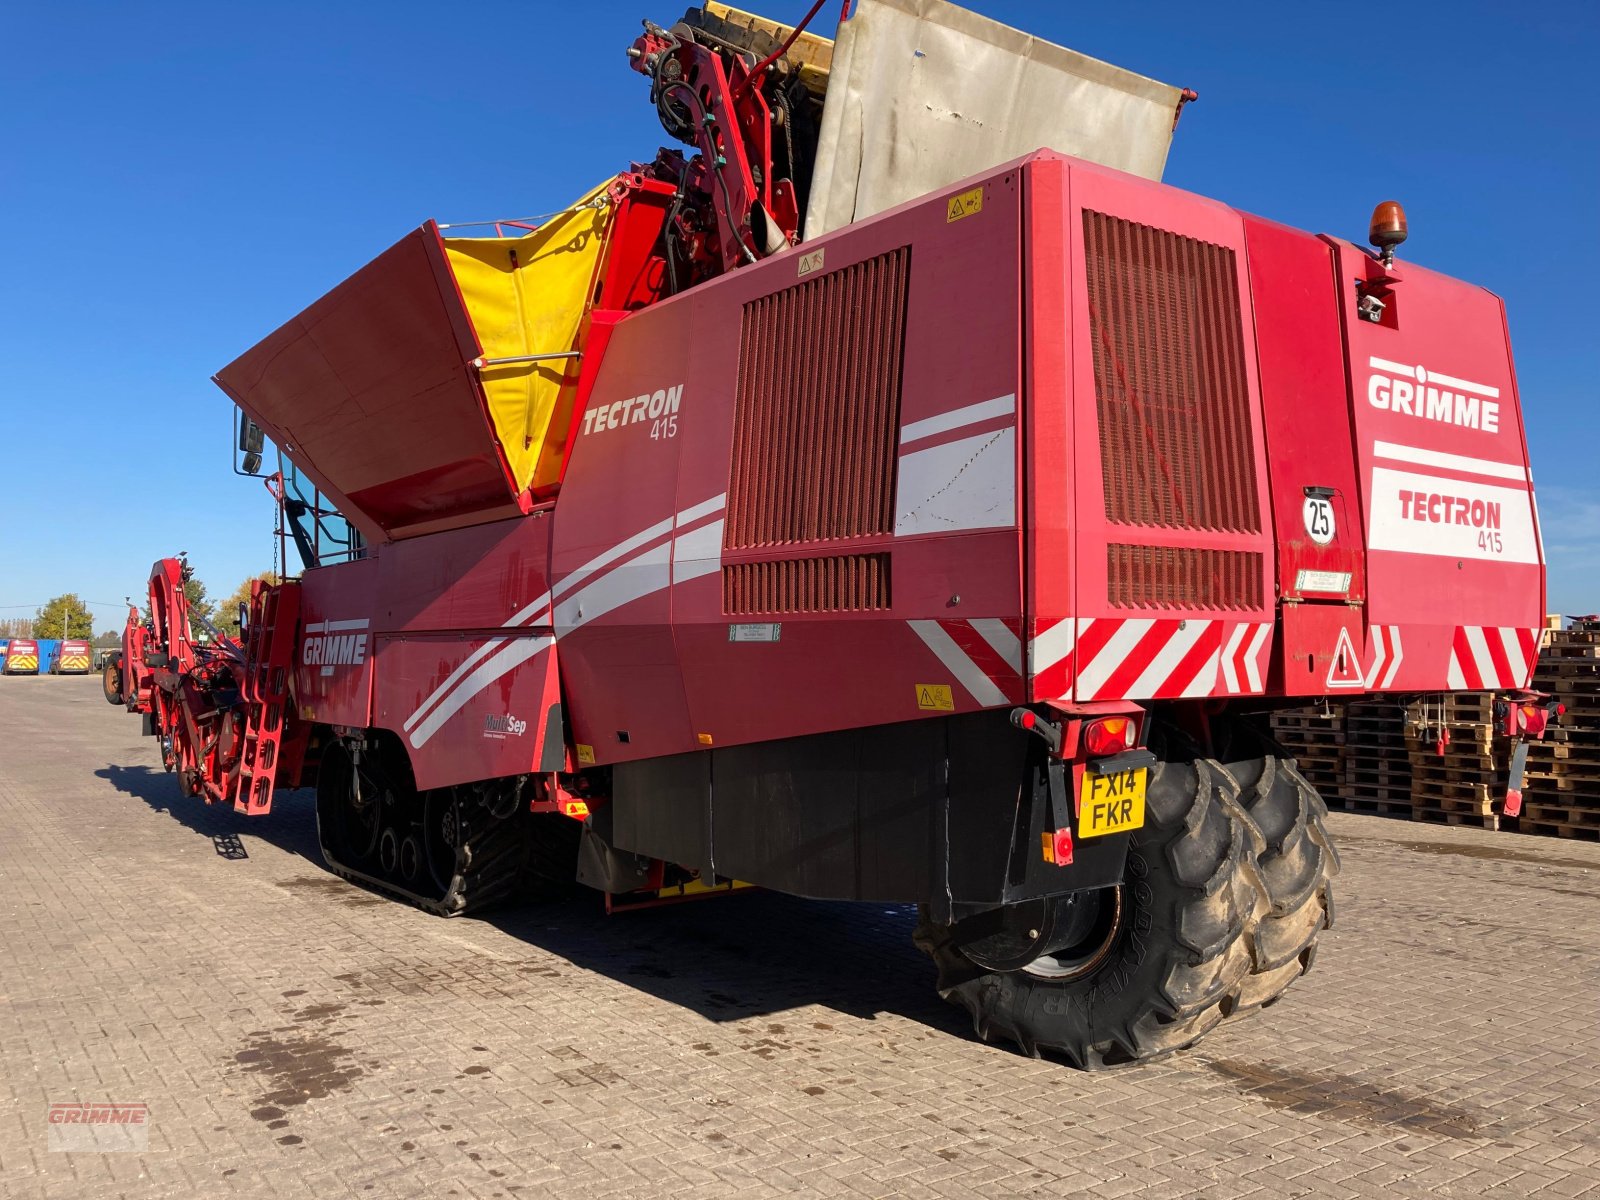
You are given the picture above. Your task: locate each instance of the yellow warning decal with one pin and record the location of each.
(935, 697)
(964, 205)
(585, 755)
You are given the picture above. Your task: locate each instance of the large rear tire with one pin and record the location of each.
(1224, 895)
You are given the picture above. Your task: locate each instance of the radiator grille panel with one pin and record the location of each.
(1170, 383)
(1156, 577)
(835, 583)
(818, 407)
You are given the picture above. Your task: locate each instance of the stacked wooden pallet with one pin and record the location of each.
(1561, 794)
(1375, 768)
(1441, 758)
(1315, 736)
(1458, 764)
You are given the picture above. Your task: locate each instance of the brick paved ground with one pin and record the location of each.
(295, 1036)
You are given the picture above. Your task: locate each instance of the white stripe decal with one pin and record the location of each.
(1480, 655)
(697, 553)
(1379, 656)
(1422, 457)
(983, 689)
(620, 550)
(985, 410)
(467, 664)
(1051, 646)
(1230, 656)
(1453, 676)
(966, 484)
(1466, 385)
(640, 576)
(1166, 660)
(1092, 676)
(1396, 654)
(1204, 683)
(1392, 368)
(518, 652)
(1514, 656)
(336, 626)
(1252, 657)
(536, 614)
(1000, 638)
(704, 509)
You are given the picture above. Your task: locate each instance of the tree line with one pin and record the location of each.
(67, 616)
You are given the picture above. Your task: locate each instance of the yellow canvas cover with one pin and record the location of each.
(531, 295)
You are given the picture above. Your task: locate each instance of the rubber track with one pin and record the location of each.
(488, 868)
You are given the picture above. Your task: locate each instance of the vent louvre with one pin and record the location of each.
(818, 408)
(1169, 373)
(1182, 577)
(834, 583)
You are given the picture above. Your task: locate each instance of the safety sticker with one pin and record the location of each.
(935, 697)
(585, 755)
(964, 205)
(1344, 670)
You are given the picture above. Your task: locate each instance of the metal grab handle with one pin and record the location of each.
(483, 363)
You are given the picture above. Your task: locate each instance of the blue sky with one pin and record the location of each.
(177, 180)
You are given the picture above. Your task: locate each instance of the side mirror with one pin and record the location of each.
(251, 442)
(244, 623)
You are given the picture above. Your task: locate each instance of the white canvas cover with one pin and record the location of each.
(923, 93)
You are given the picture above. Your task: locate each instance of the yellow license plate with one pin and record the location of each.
(1111, 803)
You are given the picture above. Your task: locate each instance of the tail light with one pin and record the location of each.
(1110, 735)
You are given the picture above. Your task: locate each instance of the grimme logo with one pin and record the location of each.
(330, 644)
(1415, 391)
(507, 725)
(97, 1127)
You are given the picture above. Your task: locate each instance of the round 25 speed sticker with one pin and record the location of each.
(1318, 514)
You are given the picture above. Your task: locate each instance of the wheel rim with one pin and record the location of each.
(361, 816)
(1061, 938)
(1080, 950)
(410, 859)
(441, 834)
(389, 851)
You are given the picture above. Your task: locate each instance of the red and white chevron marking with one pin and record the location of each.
(1387, 654)
(1483, 657)
(984, 655)
(1147, 658)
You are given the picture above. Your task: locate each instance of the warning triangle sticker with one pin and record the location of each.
(1345, 669)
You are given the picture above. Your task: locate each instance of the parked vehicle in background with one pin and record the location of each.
(22, 657)
(73, 658)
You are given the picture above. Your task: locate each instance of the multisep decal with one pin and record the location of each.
(330, 644)
(503, 727)
(1416, 391)
(659, 407)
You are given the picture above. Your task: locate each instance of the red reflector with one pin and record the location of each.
(1513, 804)
(1057, 847)
(1063, 847)
(1027, 720)
(1110, 735)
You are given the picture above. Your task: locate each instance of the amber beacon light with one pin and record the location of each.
(1388, 229)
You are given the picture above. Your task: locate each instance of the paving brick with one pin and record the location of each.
(295, 1036)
